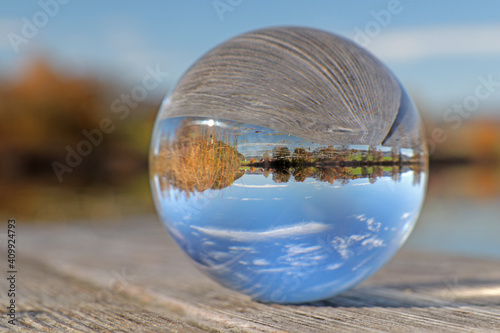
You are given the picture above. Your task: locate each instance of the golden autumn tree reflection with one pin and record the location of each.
(199, 158)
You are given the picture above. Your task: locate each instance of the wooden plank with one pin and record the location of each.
(303, 82)
(131, 274)
(48, 302)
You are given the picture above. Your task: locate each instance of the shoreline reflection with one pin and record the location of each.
(204, 154)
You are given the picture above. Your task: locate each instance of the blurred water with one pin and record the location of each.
(461, 214)
(44, 201)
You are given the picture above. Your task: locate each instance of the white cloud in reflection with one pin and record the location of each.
(319, 257)
(237, 235)
(240, 248)
(373, 242)
(299, 249)
(179, 236)
(252, 199)
(361, 217)
(321, 185)
(219, 256)
(259, 186)
(272, 270)
(303, 255)
(342, 244)
(369, 240)
(334, 266)
(405, 215)
(260, 262)
(372, 225)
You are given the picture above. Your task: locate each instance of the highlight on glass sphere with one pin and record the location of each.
(289, 164)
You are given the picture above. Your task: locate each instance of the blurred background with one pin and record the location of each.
(81, 82)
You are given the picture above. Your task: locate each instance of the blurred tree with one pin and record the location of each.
(45, 112)
(299, 154)
(281, 153)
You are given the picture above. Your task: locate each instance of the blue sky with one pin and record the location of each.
(437, 49)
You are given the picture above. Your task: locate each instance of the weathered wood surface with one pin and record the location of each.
(300, 81)
(131, 277)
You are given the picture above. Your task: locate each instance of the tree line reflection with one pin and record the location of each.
(341, 174)
(198, 158)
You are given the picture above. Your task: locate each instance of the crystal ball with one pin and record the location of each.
(289, 164)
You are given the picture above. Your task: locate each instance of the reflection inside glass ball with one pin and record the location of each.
(291, 180)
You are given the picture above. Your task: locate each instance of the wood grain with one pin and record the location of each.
(50, 301)
(304, 82)
(130, 276)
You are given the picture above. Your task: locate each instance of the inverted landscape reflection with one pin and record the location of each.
(280, 218)
(289, 163)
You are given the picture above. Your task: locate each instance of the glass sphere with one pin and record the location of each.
(289, 164)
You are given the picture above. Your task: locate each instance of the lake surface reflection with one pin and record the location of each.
(460, 214)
